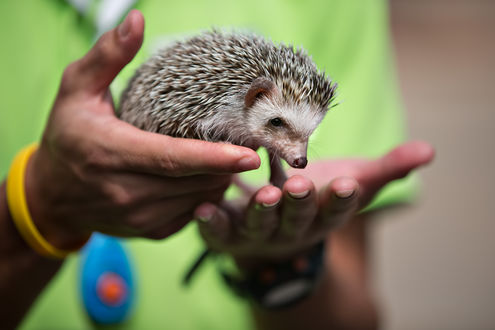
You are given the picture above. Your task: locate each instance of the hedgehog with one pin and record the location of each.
(234, 87)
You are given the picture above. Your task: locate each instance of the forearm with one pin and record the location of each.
(23, 273)
(342, 299)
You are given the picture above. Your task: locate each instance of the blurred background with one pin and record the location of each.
(434, 266)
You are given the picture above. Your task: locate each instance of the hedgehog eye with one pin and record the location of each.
(276, 122)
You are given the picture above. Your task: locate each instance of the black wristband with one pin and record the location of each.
(281, 285)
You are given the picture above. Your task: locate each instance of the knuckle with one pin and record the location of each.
(118, 195)
(122, 198)
(93, 167)
(106, 51)
(172, 160)
(92, 152)
(170, 166)
(92, 162)
(103, 49)
(87, 165)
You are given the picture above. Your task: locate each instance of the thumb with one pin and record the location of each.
(396, 164)
(96, 70)
(403, 159)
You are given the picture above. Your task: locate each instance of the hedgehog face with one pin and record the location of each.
(281, 125)
(283, 128)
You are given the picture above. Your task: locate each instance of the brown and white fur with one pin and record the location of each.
(238, 88)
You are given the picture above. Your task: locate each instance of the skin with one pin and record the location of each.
(277, 224)
(95, 172)
(122, 180)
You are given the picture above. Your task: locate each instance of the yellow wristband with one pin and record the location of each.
(16, 199)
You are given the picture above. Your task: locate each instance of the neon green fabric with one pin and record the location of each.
(349, 39)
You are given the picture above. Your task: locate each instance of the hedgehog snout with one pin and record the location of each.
(300, 162)
(295, 154)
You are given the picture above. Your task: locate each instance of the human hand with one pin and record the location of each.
(276, 224)
(94, 172)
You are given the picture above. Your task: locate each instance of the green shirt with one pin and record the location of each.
(348, 39)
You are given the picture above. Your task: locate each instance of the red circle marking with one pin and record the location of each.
(111, 289)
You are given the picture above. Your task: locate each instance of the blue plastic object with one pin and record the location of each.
(106, 282)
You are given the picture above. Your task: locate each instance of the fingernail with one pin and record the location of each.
(266, 205)
(203, 219)
(248, 163)
(124, 27)
(205, 212)
(344, 193)
(299, 195)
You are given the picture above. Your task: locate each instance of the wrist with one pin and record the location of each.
(42, 208)
(249, 264)
(19, 178)
(276, 283)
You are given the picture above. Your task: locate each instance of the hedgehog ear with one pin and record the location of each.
(261, 86)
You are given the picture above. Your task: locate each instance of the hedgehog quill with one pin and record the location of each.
(233, 87)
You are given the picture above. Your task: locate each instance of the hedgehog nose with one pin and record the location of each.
(300, 162)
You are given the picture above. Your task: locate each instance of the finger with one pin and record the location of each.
(96, 70)
(400, 161)
(140, 151)
(338, 201)
(139, 220)
(262, 215)
(213, 224)
(396, 164)
(131, 188)
(299, 207)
